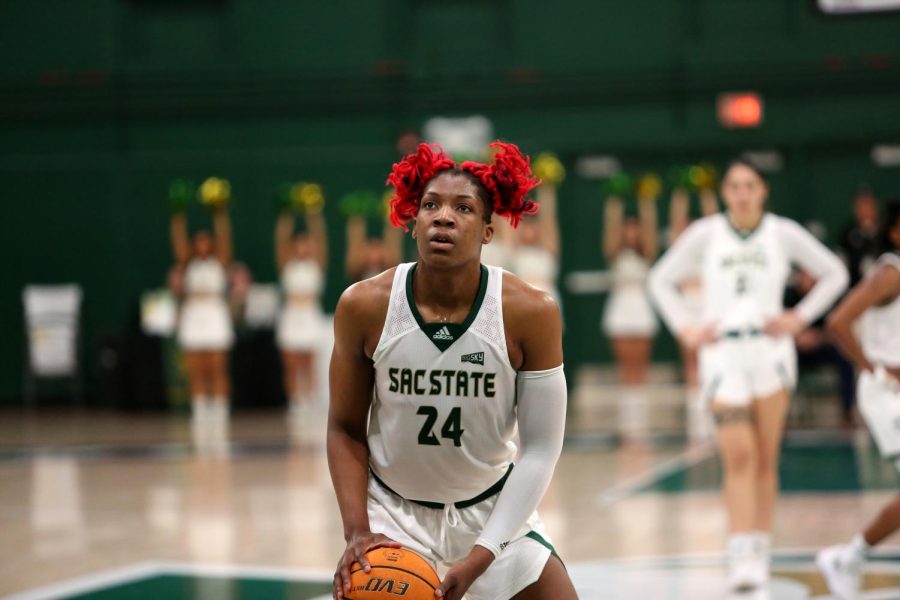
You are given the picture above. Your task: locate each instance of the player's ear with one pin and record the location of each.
(488, 234)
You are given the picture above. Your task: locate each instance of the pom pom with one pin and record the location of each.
(508, 179)
(618, 185)
(648, 187)
(703, 176)
(215, 192)
(181, 192)
(307, 197)
(549, 169)
(409, 177)
(361, 203)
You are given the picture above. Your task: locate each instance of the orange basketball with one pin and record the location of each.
(395, 573)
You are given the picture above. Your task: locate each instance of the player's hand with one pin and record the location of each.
(357, 547)
(787, 323)
(458, 579)
(694, 337)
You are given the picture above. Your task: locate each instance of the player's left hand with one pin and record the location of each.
(787, 323)
(458, 579)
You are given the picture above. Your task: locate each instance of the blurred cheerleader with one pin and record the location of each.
(302, 260)
(367, 257)
(533, 252)
(629, 247)
(691, 288)
(204, 325)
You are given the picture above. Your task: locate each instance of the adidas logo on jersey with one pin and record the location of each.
(442, 334)
(476, 358)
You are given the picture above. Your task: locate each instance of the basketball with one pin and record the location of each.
(395, 572)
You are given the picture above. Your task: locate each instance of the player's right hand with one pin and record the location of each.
(694, 337)
(357, 547)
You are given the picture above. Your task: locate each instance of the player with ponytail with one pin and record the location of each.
(460, 356)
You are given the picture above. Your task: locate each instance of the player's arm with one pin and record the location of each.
(613, 216)
(351, 378)
(648, 225)
(318, 234)
(284, 229)
(817, 260)
(178, 232)
(541, 415)
(667, 275)
(881, 287)
(222, 231)
(356, 242)
(547, 219)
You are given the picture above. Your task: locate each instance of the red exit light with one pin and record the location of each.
(740, 110)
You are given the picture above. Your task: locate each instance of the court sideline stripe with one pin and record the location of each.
(686, 459)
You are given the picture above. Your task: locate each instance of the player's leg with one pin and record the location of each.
(738, 448)
(553, 584)
(290, 369)
(769, 415)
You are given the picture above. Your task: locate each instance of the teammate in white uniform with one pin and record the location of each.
(461, 357)
(629, 247)
(204, 326)
(747, 357)
(302, 260)
(876, 302)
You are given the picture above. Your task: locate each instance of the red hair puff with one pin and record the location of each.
(508, 179)
(409, 178)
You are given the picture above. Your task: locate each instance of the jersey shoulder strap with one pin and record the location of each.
(488, 324)
(399, 319)
(889, 258)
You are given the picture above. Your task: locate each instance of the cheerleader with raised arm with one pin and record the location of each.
(302, 260)
(204, 331)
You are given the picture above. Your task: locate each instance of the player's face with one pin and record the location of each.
(202, 244)
(450, 227)
(744, 191)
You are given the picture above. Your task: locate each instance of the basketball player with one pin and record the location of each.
(436, 364)
(747, 356)
(876, 301)
(302, 260)
(204, 325)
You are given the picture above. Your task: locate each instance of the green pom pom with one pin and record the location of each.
(181, 192)
(361, 203)
(618, 185)
(283, 197)
(680, 177)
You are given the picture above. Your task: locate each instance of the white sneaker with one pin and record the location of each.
(744, 566)
(842, 570)
(763, 551)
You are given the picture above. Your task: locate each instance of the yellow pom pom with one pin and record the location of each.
(215, 192)
(548, 168)
(649, 185)
(308, 197)
(704, 176)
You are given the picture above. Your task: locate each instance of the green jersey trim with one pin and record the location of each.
(443, 335)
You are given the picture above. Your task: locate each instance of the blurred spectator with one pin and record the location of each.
(859, 243)
(814, 347)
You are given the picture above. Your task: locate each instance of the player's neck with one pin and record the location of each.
(446, 291)
(745, 222)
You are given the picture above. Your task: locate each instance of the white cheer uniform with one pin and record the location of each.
(301, 322)
(743, 278)
(204, 322)
(628, 312)
(878, 394)
(442, 436)
(536, 266)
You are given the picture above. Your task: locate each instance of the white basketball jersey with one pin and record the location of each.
(205, 276)
(443, 419)
(744, 274)
(880, 332)
(302, 278)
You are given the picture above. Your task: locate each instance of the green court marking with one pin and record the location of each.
(178, 587)
(832, 467)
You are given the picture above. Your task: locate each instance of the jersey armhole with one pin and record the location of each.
(392, 311)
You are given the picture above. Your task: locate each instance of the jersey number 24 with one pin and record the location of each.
(451, 429)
